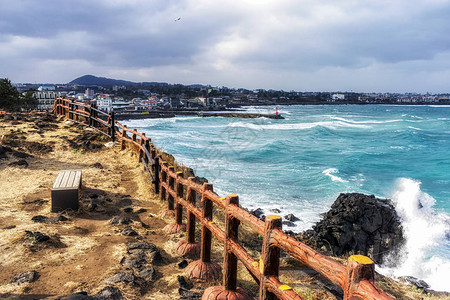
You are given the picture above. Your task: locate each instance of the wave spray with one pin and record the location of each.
(426, 232)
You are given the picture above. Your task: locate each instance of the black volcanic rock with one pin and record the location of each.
(358, 224)
(291, 217)
(109, 293)
(26, 277)
(259, 213)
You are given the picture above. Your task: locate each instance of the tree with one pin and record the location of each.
(9, 95)
(12, 100)
(28, 99)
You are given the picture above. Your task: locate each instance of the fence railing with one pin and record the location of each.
(356, 278)
(85, 114)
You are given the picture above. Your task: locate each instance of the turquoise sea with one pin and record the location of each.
(301, 164)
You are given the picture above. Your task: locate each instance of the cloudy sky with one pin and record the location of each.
(302, 45)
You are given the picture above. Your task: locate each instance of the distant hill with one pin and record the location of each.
(103, 81)
(94, 80)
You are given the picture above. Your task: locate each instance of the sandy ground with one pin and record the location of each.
(84, 250)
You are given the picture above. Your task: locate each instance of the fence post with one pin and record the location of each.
(91, 121)
(74, 108)
(95, 111)
(87, 117)
(153, 154)
(359, 267)
(124, 136)
(170, 211)
(178, 225)
(207, 213)
(270, 256)
(231, 233)
(233, 292)
(141, 145)
(147, 147)
(113, 127)
(180, 192)
(162, 192)
(70, 111)
(204, 269)
(188, 247)
(156, 172)
(133, 135)
(93, 115)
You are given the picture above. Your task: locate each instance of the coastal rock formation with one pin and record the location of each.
(359, 224)
(239, 115)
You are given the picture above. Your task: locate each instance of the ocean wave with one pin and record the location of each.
(298, 126)
(425, 231)
(366, 122)
(330, 173)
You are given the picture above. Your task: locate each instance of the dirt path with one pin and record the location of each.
(86, 249)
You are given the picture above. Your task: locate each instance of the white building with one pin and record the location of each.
(338, 97)
(104, 102)
(46, 88)
(45, 99)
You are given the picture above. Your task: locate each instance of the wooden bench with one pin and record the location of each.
(66, 190)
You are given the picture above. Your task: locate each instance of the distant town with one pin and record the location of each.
(123, 96)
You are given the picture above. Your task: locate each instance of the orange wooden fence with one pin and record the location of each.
(356, 279)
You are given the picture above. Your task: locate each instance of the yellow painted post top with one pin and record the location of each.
(284, 287)
(361, 259)
(273, 217)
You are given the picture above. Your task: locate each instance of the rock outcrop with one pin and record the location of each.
(358, 224)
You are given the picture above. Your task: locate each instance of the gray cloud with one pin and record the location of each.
(302, 45)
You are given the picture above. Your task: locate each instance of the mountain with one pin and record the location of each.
(103, 81)
(94, 80)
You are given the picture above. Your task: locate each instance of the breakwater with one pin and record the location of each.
(355, 279)
(174, 113)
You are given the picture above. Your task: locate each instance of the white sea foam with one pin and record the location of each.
(439, 106)
(397, 147)
(266, 110)
(297, 126)
(425, 232)
(367, 121)
(330, 173)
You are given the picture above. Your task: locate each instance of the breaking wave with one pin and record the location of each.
(331, 173)
(426, 233)
(297, 126)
